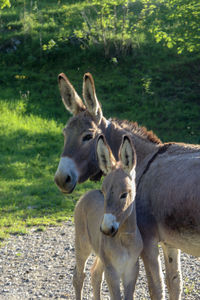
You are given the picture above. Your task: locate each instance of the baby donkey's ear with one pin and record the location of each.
(105, 157)
(127, 154)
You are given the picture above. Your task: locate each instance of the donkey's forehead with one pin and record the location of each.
(82, 121)
(117, 179)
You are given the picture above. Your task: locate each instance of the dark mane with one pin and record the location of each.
(138, 130)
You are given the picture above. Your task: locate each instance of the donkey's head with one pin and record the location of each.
(118, 186)
(78, 161)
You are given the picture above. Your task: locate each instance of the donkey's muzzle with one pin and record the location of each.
(66, 185)
(66, 175)
(109, 225)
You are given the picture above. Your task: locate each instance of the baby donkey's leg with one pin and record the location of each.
(82, 252)
(113, 281)
(129, 280)
(96, 278)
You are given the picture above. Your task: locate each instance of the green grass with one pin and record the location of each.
(151, 85)
(30, 148)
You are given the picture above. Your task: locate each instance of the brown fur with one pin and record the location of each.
(133, 127)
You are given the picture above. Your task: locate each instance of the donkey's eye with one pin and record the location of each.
(123, 196)
(87, 137)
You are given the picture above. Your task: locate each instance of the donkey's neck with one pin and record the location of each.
(129, 229)
(114, 132)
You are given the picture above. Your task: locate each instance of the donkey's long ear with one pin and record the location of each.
(127, 154)
(90, 97)
(105, 157)
(70, 98)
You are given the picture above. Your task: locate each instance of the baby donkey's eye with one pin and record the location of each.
(87, 137)
(123, 196)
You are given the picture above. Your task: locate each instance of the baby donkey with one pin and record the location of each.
(105, 223)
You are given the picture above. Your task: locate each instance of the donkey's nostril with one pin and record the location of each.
(112, 230)
(68, 179)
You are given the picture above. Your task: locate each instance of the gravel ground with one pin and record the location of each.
(40, 266)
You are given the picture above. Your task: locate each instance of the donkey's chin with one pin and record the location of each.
(69, 191)
(110, 233)
(97, 176)
(82, 178)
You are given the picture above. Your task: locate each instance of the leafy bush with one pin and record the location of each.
(175, 22)
(122, 25)
(111, 23)
(4, 3)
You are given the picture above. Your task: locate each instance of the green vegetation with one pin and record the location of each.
(4, 3)
(145, 62)
(30, 147)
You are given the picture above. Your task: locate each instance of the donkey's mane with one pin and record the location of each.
(138, 130)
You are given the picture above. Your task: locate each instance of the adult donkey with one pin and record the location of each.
(168, 175)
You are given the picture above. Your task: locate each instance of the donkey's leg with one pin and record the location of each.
(82, 250)
(173, 271)
(96, 278)
(152, 264)
(129, 280)
(113, 281)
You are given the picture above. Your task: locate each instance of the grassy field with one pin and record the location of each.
(152, 85)
(30, 147)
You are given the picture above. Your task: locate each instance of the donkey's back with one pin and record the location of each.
(172, 190)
